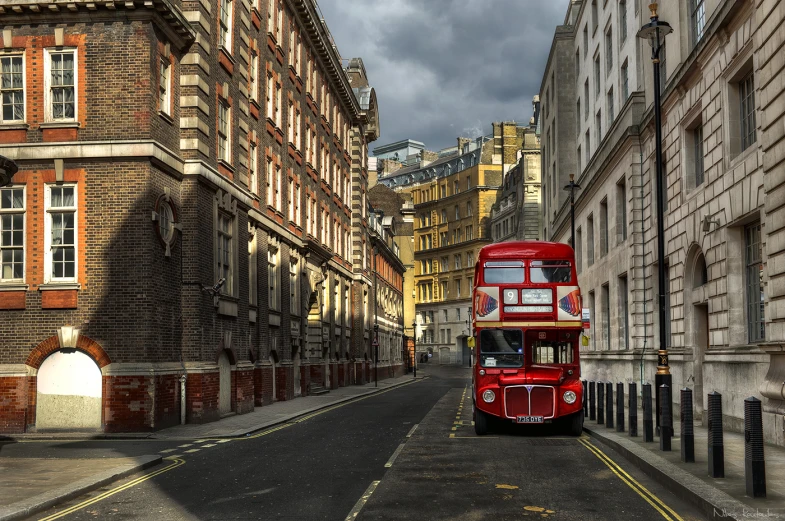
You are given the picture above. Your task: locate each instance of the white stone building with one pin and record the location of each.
(722, 113)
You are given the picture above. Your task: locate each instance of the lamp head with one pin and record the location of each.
(655, 31)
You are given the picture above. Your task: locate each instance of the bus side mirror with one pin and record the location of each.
(470, 341)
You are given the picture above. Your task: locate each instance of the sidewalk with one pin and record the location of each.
(718, 498)
(280, 412)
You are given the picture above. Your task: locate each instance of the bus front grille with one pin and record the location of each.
(529, 400)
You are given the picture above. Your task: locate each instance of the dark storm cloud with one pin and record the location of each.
(444, 68)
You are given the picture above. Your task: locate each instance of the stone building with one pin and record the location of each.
(452, 197)
(723, 153)
(188, 231)
(516, 216)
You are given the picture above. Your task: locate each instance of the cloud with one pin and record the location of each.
(443, 65)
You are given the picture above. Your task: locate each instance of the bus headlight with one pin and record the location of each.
(482, 372)
(570, 397)
(536, 296)
(488, 396)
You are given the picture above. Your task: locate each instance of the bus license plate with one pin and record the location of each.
(530, 419)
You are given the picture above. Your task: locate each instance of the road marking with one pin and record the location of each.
(190, 451)
(175, 463)
(453, 436)
(642, 491)
(167, 451)
(186, 445)
(208, 445)
(224, 441)
(201, 441)
(412, 431)
(394, 455)
(361, 502)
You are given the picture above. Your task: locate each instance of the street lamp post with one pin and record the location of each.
(414, 347)
(655, 32)
(572, 186)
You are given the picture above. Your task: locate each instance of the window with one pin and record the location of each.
(747, 107)
(590, 240)
(550, 271)
(270, 181)
(458, 262)
(624, 319)
(756, 326)
(606, 317)
(253, 288)
(252, 168)
(457, 288)
(225, 26)
(698, 19)
(588, 146)
(12, 88)
(164, 86)
(585, 40)
(586, 98)
(270, 97)
(12, 231)
(271, 16)
(597, 75)
(621, 211)
(61, 239)
(457, 213)
(578, 116)
(253, 78)
(470, 260)
(580, 161)
(604, 227)
(455, 188)
(225, 253)
(294, 286)
(610, 107)
(224, 130)
(60, 85)
(577, 65)
(444, 216)
(594, 16)
(469, 233)
(622, 21)
(273, 279)
(625, 82)
(609, 51)
(598, 125)
(469, 209)
(498, 272)
(458, 313)
(443, 289)
(697, 151)
(501, 348)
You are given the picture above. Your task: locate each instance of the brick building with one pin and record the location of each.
(189, 214)
(722, 163)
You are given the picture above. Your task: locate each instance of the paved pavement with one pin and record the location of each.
(723, 498)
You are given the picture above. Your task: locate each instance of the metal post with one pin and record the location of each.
(600, 403)
(375, 323)
(571, 187)
(592, 407)
(754, 463)
(687, 429)
(666, 419)
(648, 423)
(609, 405)
(585, 399)
(619, 407)
(716, 445)
(414, 347)
(633, 409)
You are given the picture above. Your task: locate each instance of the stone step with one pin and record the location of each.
(318, 389)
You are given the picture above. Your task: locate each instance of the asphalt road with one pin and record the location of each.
(320, 468)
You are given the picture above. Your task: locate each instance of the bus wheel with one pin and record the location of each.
(575, 425)
(480, 422)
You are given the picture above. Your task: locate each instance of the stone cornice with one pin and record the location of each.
(163, 13)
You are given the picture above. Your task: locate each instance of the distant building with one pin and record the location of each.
(452, 198)
(405, 151)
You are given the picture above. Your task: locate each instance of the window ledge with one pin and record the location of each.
(227, 305)
(14, 126)
(60, 124)
(13, 286)
(166, 117)
(59, 286)
(226, 165)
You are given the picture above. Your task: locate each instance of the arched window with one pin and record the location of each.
(700, 274)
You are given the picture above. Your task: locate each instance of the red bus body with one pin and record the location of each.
(526, 314)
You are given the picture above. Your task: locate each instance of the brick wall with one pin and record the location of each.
(13, 404)
(243, 391)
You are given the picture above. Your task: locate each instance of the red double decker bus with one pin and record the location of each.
(527, 326)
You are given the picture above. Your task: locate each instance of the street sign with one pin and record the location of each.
(375, 342)
(586, 318)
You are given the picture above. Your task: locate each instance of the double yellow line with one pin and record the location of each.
(642, 491)
(176, 462)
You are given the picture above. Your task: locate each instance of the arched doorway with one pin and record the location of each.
(224, 383)
(697, 322)
(69, 392)
(297, 376)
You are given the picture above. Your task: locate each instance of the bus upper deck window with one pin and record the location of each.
(504, 272)
(550, 271)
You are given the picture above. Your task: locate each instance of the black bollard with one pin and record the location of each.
(585, 399)
(609, 405)
(648, 420)
(633, 409)
(619, 407)
(600, 403)
(687, 430)
(716, 445)
(666, 419)
(592, 408)
(754, 464)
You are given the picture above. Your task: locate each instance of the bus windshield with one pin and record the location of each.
(501, 348)
(551, 352)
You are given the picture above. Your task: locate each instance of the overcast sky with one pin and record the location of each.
(444, 68)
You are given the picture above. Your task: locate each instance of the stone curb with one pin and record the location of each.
(30, 506)
(714, 503)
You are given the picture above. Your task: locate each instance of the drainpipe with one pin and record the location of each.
(182, 398)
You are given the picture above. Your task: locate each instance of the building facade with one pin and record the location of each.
(452, 198)
(722, 155)
(188, 233)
